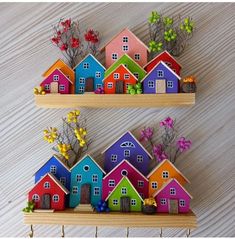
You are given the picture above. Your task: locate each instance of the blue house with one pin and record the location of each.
(161, 79)
(56, 167)
(86, 182)
(89, 75)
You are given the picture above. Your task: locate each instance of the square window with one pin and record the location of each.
(160, 73)
(154, 185)
(163, 201)
(53, 169)
(172, 191)
(113, 157)
(127, 153)
(81, 80)
(137, 56)
(75, 190)
(115, 202)
(182, 203)
(96, 191)
(116, 76)
(47, 87)
(170, 84)
(125, 39)
(140, 158)
(140, 184)
(151, 84)
(81, 89)
(56, 78)
(126, 76)
(114, 56)
(98, 74)
(136, 74)
(165, 174)
(110, 85)
(111, 183)
(47, 185)
(125, 48)
(79, 178)
(133, 202)
(62, 87)
(86, 65)
(55, 198)
(94, 178)
(124, 191)
(63, 180)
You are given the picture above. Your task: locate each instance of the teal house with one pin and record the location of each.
(86, 182)
(89, 75)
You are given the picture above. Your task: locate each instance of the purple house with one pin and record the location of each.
(129, 148)
(161, 79)
(172, 198)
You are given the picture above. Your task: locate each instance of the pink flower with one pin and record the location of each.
(63, 47)
(55, 40)
(168, 122)
(183, 144)
(99, 90)
(159, 153)
(146, 134)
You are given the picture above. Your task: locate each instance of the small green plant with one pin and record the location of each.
(30, 207)
(135, 89)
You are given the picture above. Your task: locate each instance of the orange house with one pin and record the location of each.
(118, 80)
(65, 69)
(162, 173)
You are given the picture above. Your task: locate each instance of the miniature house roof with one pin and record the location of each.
(126, 161)
(161, 62)
(102, 48)
(124, 178)
(128, 132)
(84, 157)
(167, 183)
(172, 165)
(61, 73)
(85, 59)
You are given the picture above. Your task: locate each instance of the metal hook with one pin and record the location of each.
(96, 231)
(31, 231)
(188, 233)
(62, 231)
(127, 232)
(160, 232)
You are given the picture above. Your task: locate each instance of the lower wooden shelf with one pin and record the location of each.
(114, 100)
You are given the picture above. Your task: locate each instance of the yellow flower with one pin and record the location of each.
(39, 91)
(63, 150)
(50, 135)
(80, 134)
(72, 116)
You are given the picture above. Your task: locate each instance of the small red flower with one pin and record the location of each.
(91, 36)
(66, 24)
(55, 40)
(63, 47)
(74, 42)
(58, 33)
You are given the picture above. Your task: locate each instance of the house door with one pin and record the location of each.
(160, 86)
(89, 85)
(173, 206)
(54, 87)
(46, 201)
(125, 204)
(119, 87)
(85, 194)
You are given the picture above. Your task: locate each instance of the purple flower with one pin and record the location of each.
(168, 122)
(99, 90)
(159, 153)
(146, 134)
(183, 144)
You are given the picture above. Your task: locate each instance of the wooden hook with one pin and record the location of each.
(96, 231)
(31, 231)
(62, 231)
(127, 232)
(160, 232)
(188, 233)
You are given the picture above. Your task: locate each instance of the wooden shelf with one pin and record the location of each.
(116, 100)
(112, 219)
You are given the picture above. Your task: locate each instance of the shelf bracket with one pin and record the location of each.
(62, 231)
(31, 231)
(161, 232)
(96, 231)
(127, 232)
(188, 233)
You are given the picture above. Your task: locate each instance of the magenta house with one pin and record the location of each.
(173, 198)
(129, 148)
(57, 82)
(124, 168)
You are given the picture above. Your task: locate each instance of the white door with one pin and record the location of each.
(54, 87)
(160, 86)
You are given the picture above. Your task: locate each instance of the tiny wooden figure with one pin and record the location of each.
(48, 193)
(125, 42)
(189, 85)
(124, 197)
(89, 73)
(161, 79)
(172, 198)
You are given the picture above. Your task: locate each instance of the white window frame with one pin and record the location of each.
(116, 76)
(140, 183)
(110, 85)
(56, 77)
(133, 202)
(136, 74)
(86, 65)
(154, 185)
(140, 158)
(56, 198)
(170, 84)
(125, 153)
(113, 158)
(165, 174)
(35, 197)
(125, 48)
(53, 169)
(160, 73)
(98, 74)
(75, 190)
(96, 191)
(124, 172)
(126, 76)
(78, 178)
(125, 39)
(124, 191)
(47, 86)
(114, 56)
(172, 191)
(81, 80)
(95, 178)
(81, 89)
(115, 202)
(111, 183)
(150, 84)
(62, 87)
(182, 203)
(87, 166)
(63, 180)
(47, 185)
(137, 56)
(163, 201)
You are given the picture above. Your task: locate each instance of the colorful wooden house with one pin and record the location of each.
(161, 79)
(57, 82)
(124, 168)
(48, 193)
(162, 173)
(124, 197)
(168, 59)
(130, 64)
(125, 42)
(86, 182)
(118, 80)
(89, 74)
(67, 71)
(172, 198)
(129, 148)
(56, 167)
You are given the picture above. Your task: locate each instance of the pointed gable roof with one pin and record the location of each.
(171, 164)
(167, 183)
(124, 178)
(61, 73)
(128, 132)
(83, 158)
(130, 32)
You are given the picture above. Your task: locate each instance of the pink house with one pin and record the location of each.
(124, 168)
(57, 82)
(172, 198)
(125, 42)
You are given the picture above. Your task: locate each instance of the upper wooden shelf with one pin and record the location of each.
(116, 100)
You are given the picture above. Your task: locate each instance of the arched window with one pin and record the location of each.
(35, 198)
(127, 144)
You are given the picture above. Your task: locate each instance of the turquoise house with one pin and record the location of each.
(89, 75)
(86, 182)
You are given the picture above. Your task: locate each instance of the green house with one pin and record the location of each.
(124, 197)
(130, 64)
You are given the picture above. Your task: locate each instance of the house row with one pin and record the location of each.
(124, 182)
(126, 64)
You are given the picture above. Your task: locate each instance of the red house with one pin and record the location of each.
(167, 58)
(48, 193)
(118, 80)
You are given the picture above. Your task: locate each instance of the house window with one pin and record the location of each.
(114, 56)
(47, 87)
(116, 76)
(86, 168)
(140, 158)
(55, 198)
(125, 39)
(81, 89)
(163, 201)
(170, 84)
(53, 169)
(137, 56)
(115, 202)
(140, 184)
(98, 86)
(172, 191)
(114, 158)
(165, 174)
(125, 48)
(127, 153)
(79, 178)
(63, 180)
(124, 191)
(81, 80)
(160, 73)
(111, 183)
(75, 190)
(94, 178)
(127, 144)
(56, 78)
(154, 185)
(47, 185)
(182, 203)
(126, 76)
(35, 198)
(124, 172)
(98, 74)
(62, 87)
(96, 191)
(151, 84)
(136, 74)
(110, 85)
(86, 65)
(133, 202)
